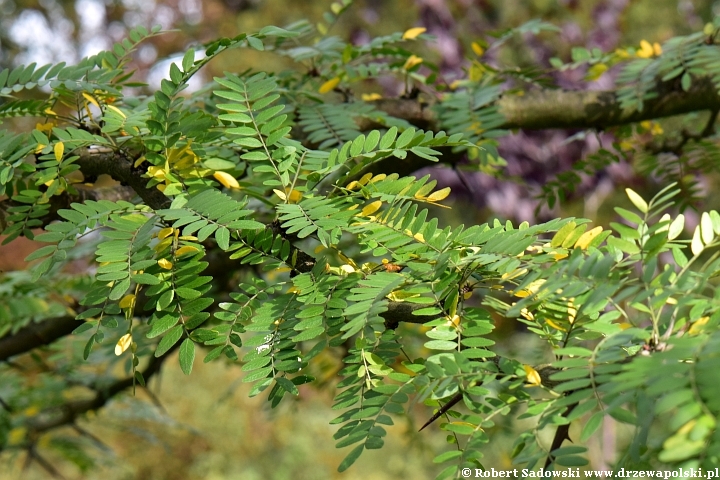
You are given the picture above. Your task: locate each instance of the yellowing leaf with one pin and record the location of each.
(706, 229)
(123, 344)
(365, 179)
(646, 50)
(59, 149)
(637, 200)
(128, 301)
(527, 314)
(454, 320)
(419, 237)
(295, 196)
(165, 232)
(412, 33)
(139, 161)
(696, 246)
(185, 250)
(369, 97)
(596, 71)
(587, 237)
(226, 179)
(412, 61)
(165, 263)
(371, 208)
(530, 289)
(116, 110)
(90, 99)
(477, 48)
(329, 85)
(347, 268)
(280, 194)
(555, 325)
(533, 377)
(45, 127)
(439, 195)
(698, 325)
(377, 178)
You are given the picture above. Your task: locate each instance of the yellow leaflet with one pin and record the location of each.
(439, 195)
(696, 245)
(139, 161)
(371, 208)
(377, 178)
(347, 268)
(454, 320)
(555, 325)
(59, 149)
(698, 325)
(349, 261)
(90, 99)
(533, 377)
(49, 111)
(295, 196)
(116, 110)
(165, 232)
(412, 61)
(413, 33)
(185, 250)
(329, 85)
(587, 237)
(369, 97)
(646, 50)
(123, 344)
(156, 171)
(45, 127)
(226, 179)
(530, 289)
(280, 194)
(596, 71)
(477, 48)
(365, 179)
(572, 311)
(128, 301)
(165, 263)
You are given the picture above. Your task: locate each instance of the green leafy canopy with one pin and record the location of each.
(259, 223)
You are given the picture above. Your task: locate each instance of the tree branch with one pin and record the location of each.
(96, 161)
(549, 109)
(67, 413)
(36, 335)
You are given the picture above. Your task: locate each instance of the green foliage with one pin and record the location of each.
(259, 233)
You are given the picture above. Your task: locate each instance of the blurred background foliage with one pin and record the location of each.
(212, 430)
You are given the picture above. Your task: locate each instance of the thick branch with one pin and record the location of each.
(96, 161)
(67, 413)
(547, 109)
(36, 335)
